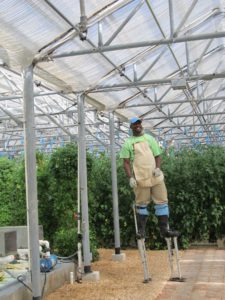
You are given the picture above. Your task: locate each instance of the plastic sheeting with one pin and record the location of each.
(45, 30)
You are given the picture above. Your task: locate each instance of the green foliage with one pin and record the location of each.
(126, 200)
(57, 194)
(12, 192)
(101, 200)
(101, 210)
(195, 182)
(19, 194)
(57, 189)
(65, 242)
(6, 184)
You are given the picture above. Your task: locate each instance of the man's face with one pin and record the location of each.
(136, 128)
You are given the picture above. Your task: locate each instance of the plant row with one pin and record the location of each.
(195, 181)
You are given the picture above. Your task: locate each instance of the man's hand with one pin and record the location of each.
(157, 172)
(133, 182)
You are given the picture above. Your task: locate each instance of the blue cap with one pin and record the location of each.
(134, 120)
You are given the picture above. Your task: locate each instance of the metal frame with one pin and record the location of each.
(193, 108)
(180, 34)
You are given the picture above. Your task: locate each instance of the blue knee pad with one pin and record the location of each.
(161, 210)
(142, 210)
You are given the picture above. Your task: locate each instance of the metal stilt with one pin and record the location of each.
(172, 242)
(177, 257)
(142, 249)
(170, 254)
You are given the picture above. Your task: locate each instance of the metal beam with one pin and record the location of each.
(107, 10)
(184, 116)
(54, 121)
(131, 14)
(206, 77)
(169, 76)
(4, 98)
(38, 58)
(194, 106)
(183, 125)
(173, 102)
(152, 64)
(168, 41)
(15, 119)
(70, 34)
(187, 14)
(117, 68)
(171, 18)
(192, 137)
(196, 133)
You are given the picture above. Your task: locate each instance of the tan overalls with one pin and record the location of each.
(148, 186)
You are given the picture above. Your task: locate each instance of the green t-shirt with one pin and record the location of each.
(127, 150)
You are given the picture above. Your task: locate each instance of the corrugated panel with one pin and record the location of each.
(30, 27)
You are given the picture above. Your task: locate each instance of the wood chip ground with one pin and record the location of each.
(120, 280)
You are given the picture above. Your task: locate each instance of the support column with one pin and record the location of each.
(31, 182)
(83, 184)
(89, 275)
(118, 255)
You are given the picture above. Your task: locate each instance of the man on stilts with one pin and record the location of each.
(141, 156)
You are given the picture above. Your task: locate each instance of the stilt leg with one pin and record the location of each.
(170, 254)
(177, 257)
(170, 243)
(142, 249)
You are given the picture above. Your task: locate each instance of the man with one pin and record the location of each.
(141, 155)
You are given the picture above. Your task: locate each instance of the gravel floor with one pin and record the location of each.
(120, 280)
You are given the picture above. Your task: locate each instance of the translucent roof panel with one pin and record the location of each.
(159, 60)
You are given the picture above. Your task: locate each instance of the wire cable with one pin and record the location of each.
(67, 257)
(20, 278)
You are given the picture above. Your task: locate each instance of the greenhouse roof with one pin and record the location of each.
(162, 61)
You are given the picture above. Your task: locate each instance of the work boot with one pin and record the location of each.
(165, 231)
(141, 224)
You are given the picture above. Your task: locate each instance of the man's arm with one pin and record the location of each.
(127, 167)
(158, 161)
(157, 172)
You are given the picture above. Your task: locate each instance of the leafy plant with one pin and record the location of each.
(195, 182)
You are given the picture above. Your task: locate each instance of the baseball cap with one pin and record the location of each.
(134, 120)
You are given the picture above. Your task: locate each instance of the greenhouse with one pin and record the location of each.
(78, 79)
